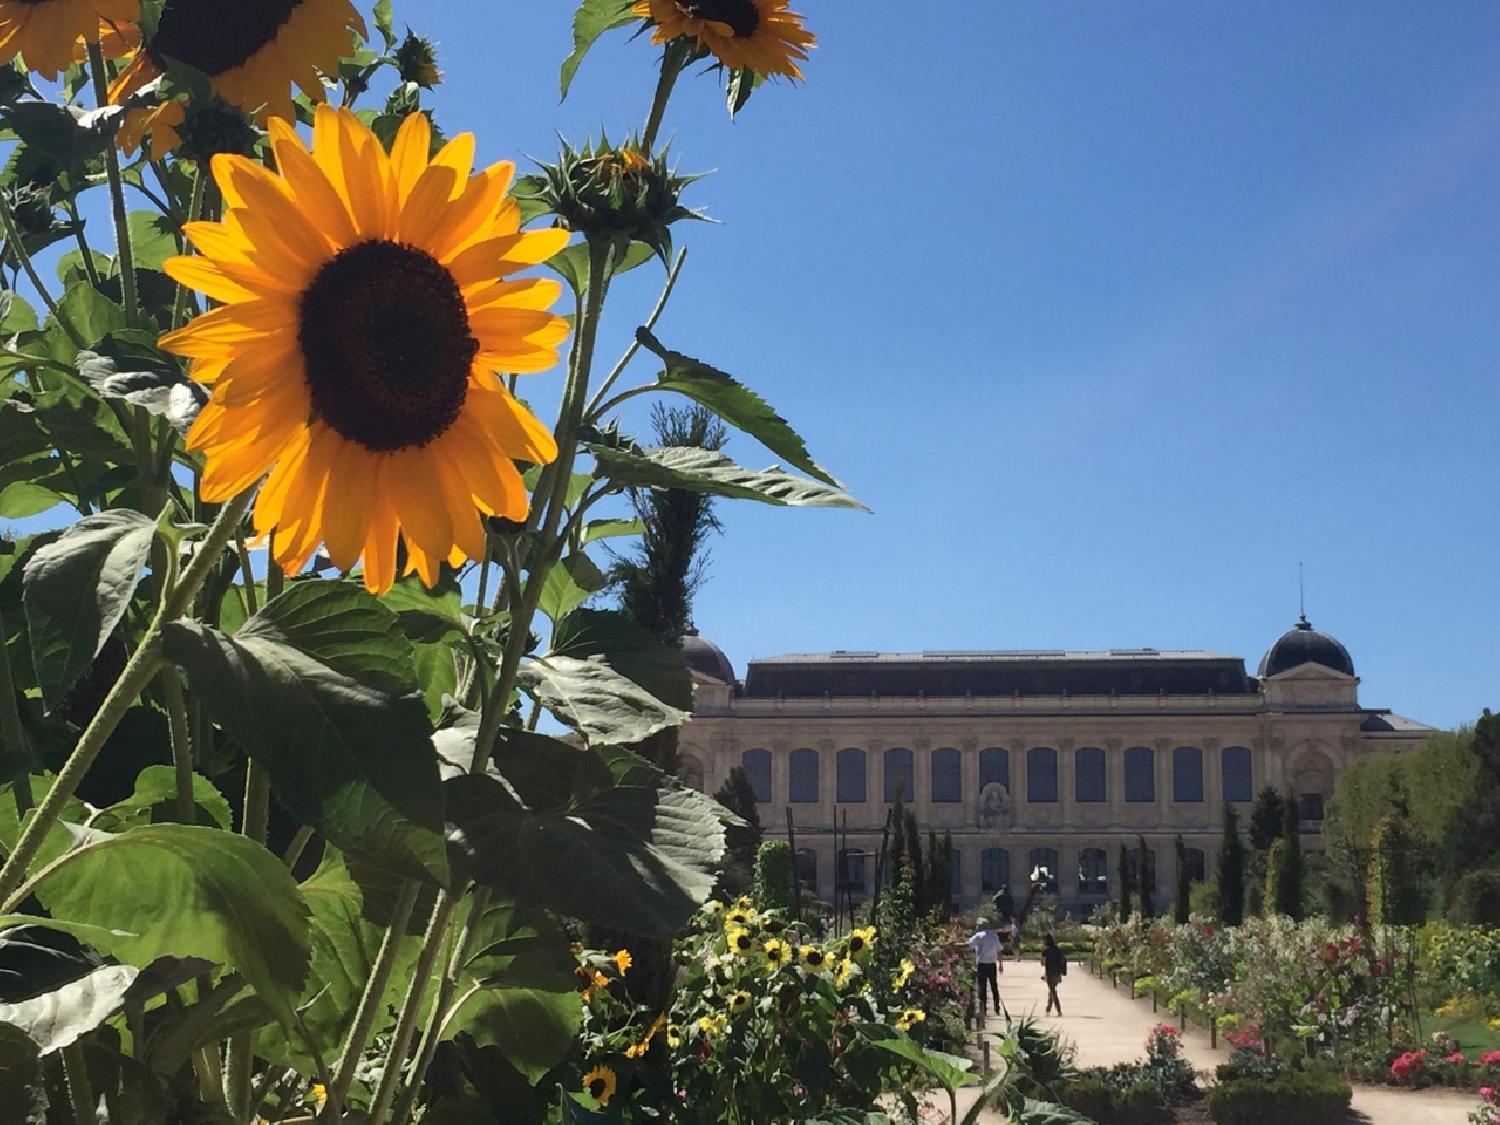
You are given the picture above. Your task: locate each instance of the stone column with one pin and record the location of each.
(1018, 780)
(1163, 764)
(969, 772)
(921, 780)
(1213, 781)
(827, 779)
(1066, 780)
(780, 780)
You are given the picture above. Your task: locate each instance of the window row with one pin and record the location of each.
(1093, 876)
(945, 774)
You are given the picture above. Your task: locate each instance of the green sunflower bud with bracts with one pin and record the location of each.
(615, 193)
(211, 126)
(416, 61)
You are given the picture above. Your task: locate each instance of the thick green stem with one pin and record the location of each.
(300, 839)
(195, 212)
(80, 1090)
(239, 1059)
(370, 1001)
(673, 58)
(595, 410)
(182, 745)
(125, 255)
(137, 674)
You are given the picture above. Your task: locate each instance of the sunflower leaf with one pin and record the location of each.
(572, 263)
(60, 1017)
(734, 402)
(593, 19)
(149, 380)
(569, 584)
(385, 22)
(595, 530)
(629, 650)
(562, 829)
(69, 135)
(702, 470)
(77, 589)
(603, 705)
(23, 1087)
(319, 687)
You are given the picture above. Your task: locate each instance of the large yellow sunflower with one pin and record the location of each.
(251, 50)
(46, 33)
(760, 35)
(367, 304)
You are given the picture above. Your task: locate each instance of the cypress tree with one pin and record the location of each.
(1182, 906)
(1231, 871)
(1147, 883)
(1288, 885)
(1124, 884)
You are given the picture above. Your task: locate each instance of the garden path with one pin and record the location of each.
(1106, 1026)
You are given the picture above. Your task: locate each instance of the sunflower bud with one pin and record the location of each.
(616, 194)
(211, 126)
(416, 61)
(31, 204)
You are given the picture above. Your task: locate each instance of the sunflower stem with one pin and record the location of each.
(80, 1090)
(674, 57)
(18, 248)
(195, 212)
(125, 253)
(182, 744)
(595, 410)
(370, 1002)
(239, 1058)
(137, 674)
(11, 729)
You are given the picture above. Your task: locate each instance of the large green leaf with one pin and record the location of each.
(62, 1016)
(77, 589)
(572, 263)
(569, 584)
(155, 799)
(69, 135)
(131, 370)
(432, 620)
(593, 19)
(519, 992)
(948, 1071)
(629, 650)
(319, 687)
(1049, 1113)
(35, 959)
(174, 890)
(732, 401)
(601, 704)
(559, 829)
(704, 470)
(23, 1090)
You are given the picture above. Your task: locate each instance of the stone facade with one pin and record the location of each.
(1105, 748)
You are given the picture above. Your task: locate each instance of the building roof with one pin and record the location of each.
(1302, 644)
(1140, 671)
(706, 658)
(1388, 722)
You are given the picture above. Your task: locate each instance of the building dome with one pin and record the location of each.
(706, 658)
(1302, 644)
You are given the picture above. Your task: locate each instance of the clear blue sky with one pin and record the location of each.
(1111, 313)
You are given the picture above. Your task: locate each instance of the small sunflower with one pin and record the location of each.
(758, 35)
(712, 906)
(739, 941)
(775, 952)
(909, 1018)
(739, 918)
(739, 1001)
(251, 50)
(317, 1093)
(815, 959)
(843, 974)
(641, 1046)
(861, 941)
(600, 1084)
(674, 1036)
(905, 972)
(46, 33)
(367, 302)
(623, 961)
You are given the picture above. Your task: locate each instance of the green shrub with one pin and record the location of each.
(1476, 899)
(773, 875)
(1096, 1097)
(1289, 1099)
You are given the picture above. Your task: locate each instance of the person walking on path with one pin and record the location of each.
(986, 946)
(1054, 968)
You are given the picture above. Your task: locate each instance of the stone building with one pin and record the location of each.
(1029, 758)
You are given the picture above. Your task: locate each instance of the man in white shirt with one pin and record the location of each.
(987, 951)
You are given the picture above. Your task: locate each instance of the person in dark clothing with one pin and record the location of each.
(1054, 968)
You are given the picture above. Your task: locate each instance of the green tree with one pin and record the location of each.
(773, 876)
(919, 868)
(1147, 882)
(741, 841)
(1182, 904)
(1231, 874)
(1395, 890)
(1125, 884)
(1267, 817)
(1287, 886)
(1471, 838)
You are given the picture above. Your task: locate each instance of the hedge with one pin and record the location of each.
(1290, 1099)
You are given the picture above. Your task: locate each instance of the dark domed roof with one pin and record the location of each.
(1303, 644)
(706, 658)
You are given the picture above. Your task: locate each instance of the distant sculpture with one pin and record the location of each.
(994, 806)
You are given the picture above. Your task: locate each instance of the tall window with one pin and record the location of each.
(1196, 864)
(947, 776)
(851, 775)
(1187, 774)
(1041, 774)
(1093, 872)
(1310, 807)
(807, 869)
(1140, 774)
(1088, 774)
(852, 870)
(994, 870)
(994, 765)
(757, 765)
(900, 777)
(1235, 763)
(1047, 858)
(804, 776)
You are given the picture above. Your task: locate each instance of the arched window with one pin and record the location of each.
(1140, 774)
(1088, 775)
(1187, 774)
(994, 766)
(994, 870)
(1093, 872)
(804, 776)
(1235, 767)
(1310, 807)
(1041, 774)
(947, 776)
(1196, 864)
(900, 777)
(851, 775)
(852, 871)
(691, 772)
(1043, 858)
(757, 766)
(807, 869)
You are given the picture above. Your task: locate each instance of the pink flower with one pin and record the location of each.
(1457, 1058)
(1488, 1092)
(1492, 1058)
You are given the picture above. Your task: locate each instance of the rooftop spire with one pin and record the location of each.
(1301, 600)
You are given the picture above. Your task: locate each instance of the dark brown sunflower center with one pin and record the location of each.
(214, 36)
(742, 16)
(597, 1087)
(385, 339)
